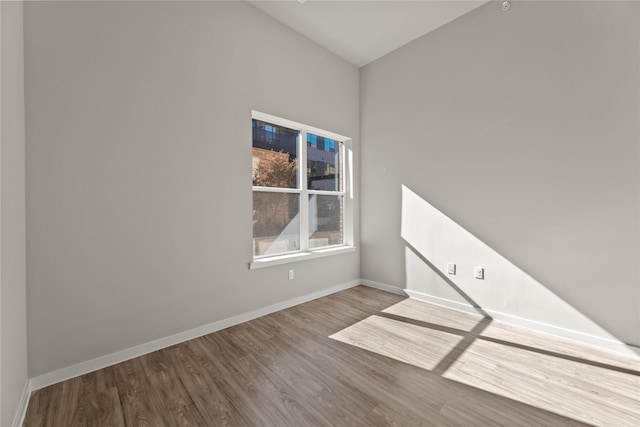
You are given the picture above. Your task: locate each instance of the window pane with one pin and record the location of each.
(323, 163)
(276, 223)
(274, 155)
(325, 221)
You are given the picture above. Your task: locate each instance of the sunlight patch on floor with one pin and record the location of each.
(405, 342)
(442, 316)
(564, 377)
(544, 342)
(565, 387)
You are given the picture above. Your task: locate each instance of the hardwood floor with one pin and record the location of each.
(361, 357)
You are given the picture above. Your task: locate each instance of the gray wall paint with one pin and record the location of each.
(139, 160)
(521, 128)
(13, 320)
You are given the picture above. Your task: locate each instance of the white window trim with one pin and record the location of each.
(300, 256)
(305, 253)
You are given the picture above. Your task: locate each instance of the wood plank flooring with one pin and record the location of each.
(361, 357)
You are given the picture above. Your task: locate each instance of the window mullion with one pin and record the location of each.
(304, 198)
(322, 162)
(326, 192)
(276, 189)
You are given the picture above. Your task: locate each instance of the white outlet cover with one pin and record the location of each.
(451, 268)
(478, 273)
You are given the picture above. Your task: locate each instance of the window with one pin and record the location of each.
(300, 197)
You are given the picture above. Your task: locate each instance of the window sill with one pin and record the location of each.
(299, 256)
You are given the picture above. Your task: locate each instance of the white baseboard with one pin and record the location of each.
(467, 308)
(384, 287)
(18, 419)
(82, 368)
(607, 344)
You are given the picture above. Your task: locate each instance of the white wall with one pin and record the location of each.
(13, 322)
(516, 134)
(139, 167)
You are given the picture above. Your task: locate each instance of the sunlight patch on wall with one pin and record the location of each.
(434, 240)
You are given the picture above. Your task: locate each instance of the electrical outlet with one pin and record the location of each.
(478, 273)
(451, 268)
(291, 275)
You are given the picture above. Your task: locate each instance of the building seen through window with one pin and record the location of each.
(289, 214)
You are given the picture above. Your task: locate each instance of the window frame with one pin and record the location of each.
(304, 252)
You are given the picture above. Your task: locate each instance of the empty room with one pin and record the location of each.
(320, 213)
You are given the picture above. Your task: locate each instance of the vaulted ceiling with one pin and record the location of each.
(363, 31)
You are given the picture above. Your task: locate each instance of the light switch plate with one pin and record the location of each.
(478, 273)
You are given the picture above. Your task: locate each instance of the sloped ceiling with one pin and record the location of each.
(363, 31)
